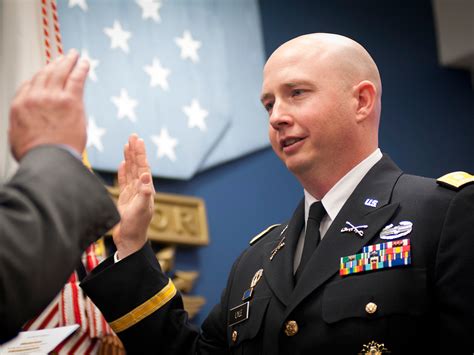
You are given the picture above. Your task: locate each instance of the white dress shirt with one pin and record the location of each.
(335, 199)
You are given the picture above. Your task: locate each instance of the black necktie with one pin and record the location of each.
(312, 236)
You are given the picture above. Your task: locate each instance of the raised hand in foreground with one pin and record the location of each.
(49, 108)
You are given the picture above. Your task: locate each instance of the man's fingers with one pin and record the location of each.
(61, 70)
(140, 157)
(145, 178)
(132, 142)
(128, 163)
(76, 81)
(20, 95)
(122, 180)
(41, 78)
(146, 190)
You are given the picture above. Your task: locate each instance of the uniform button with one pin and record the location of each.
(291, 328)
(371, 308)
(234, 336)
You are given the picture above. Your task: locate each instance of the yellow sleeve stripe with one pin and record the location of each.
(145, 309)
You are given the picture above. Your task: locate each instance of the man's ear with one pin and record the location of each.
(366, 95)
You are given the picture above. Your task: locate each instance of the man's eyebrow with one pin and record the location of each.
(265, 96)
(288, 85)
(292, 84)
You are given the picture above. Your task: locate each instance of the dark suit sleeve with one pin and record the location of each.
(454, 275)
(146, 311)
(50, 211)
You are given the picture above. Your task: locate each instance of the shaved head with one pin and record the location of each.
(353, 63)
(323, 95)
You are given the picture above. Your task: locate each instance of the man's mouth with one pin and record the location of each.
(289, 141)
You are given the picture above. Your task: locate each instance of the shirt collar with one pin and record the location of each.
(339, 193)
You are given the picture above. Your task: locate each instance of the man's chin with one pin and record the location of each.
(296, 166)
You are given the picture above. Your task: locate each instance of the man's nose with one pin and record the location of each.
(280, 115)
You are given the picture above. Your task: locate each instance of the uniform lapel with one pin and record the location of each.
(324, 263)
(279, 271)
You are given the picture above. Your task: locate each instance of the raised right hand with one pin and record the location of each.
(136, 199)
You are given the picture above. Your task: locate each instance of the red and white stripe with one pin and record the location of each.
(51, 31)
(49, 318)
(71, 306)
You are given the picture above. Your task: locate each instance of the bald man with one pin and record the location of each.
(372, 261)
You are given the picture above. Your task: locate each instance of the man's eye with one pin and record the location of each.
(296, 92)
(268, 106)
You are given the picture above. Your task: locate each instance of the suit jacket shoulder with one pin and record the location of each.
(50, 211)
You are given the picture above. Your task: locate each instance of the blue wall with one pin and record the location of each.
(427, 124)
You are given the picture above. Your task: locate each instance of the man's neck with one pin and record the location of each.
(322, 180)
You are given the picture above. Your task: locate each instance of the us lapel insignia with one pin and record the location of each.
(374, 348)
(371, 202)
(354, 229)
(376, 257)
(393, 232)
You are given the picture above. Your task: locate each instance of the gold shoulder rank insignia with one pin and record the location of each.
(261, 234)
(455, 180)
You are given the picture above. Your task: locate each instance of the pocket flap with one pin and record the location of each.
(249, 328)
(397, 291)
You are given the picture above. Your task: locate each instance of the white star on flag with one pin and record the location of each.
(150, 9)
(93, 63)
(118, 36)
(94, 135)
(158, 74)
(165, 144)
(188, 46)
(125, 105)
(196, 115)
(168, 63)
(81, 3)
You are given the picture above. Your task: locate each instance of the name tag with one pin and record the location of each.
(239, 314)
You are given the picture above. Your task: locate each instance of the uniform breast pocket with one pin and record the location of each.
(242, 337)
(376, 295)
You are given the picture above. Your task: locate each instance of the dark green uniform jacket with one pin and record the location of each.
(426, 307)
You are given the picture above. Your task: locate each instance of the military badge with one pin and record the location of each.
(393, 232)
(280, 245)
(373, 348)
(256, 278)
(371, 202)
(377, 256)
(354, 229)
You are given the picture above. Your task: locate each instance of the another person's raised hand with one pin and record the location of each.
(49, 108)
(136, 200)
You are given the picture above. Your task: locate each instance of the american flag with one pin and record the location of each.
(183, 74)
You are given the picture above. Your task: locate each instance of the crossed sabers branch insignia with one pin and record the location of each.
(355, 229)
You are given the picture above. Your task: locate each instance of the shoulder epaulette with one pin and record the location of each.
(261, 234)
(455, 180)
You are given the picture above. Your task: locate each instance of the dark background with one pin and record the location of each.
(427, 124)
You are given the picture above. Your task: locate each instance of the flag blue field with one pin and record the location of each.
(183, 74)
